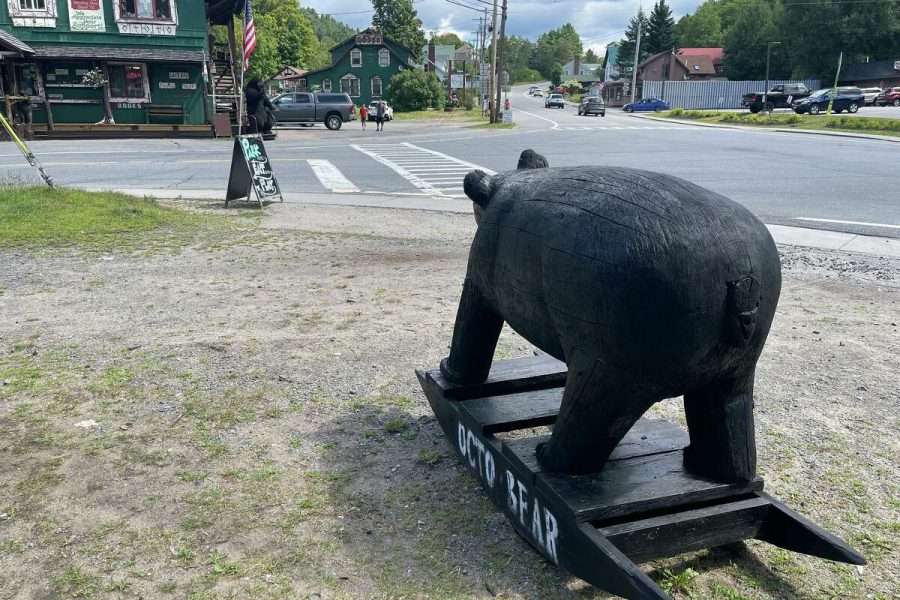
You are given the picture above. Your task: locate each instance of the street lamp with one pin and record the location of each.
(765, 105)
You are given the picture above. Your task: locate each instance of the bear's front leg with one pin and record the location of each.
(598, 408)
(475, 338)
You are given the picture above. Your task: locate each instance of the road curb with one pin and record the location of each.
(822, 239)
(843, 134)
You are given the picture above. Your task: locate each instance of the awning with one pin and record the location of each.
(11, 43)
(120, 53)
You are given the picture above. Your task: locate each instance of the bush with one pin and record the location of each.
(525, 75)
(414, 89)
(572, 87)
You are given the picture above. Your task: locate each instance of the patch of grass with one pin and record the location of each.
(679, 584)
(395, 425)
(439, 115)
(75, 583)
(429, 456)
(39, 216)
(220, 565)
(486, 125)
(873, 125)
(725, 592)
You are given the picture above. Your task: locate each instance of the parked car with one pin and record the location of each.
(871, 94)
(555, 101)
(647, 105)
(532, 90)
(889, 96)
(388, 111)
(847, 98)
(780, 96)
(592, 105)
(304, 107)
(538, 93)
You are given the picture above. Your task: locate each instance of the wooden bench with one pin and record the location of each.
(165, 111)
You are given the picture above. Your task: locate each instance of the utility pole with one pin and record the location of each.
(500, 59)
(493, 107)
(765, 107)
(637, 53)
(837, 76)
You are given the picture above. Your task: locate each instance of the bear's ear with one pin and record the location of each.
(532, 160)
(477, 186)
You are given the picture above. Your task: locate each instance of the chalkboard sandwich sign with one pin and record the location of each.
(251, 170)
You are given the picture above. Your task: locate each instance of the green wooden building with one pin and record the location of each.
(361, 66)
(153, 54)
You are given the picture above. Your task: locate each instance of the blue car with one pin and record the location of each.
(647, 105)
(848, 98)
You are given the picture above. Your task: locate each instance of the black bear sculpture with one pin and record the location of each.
(647, 286)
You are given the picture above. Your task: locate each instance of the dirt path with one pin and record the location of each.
(240, 419)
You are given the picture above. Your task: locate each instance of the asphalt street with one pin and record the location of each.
(836, 183)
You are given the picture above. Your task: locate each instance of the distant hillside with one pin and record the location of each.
(329, 32)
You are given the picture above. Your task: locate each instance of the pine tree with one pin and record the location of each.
(660, 29)
(625, 59)
(397, 20)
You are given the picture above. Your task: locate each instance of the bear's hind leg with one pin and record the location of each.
(599, 406)
(720, 421)
(475, 338)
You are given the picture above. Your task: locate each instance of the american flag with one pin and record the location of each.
(249, 34)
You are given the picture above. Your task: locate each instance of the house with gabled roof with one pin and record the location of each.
(361, 66)
(683, 65)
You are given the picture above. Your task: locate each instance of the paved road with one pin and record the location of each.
(840, 183)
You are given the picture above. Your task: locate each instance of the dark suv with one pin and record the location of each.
(592, 105)
(848, 98)
(303, 107)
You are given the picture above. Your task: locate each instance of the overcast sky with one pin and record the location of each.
(597, 21)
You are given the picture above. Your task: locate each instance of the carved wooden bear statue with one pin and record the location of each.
(647, 286)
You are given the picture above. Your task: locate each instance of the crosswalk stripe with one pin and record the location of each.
(330, 177)
(431, 171)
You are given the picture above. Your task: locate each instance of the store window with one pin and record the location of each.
(151, 10)
(350, 85)
(128, 83)
(376, 87)
(356, 58)
(326, 85)
(384, 57)
(32, 13)
(33, 4)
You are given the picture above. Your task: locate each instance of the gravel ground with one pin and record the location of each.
(238, 417)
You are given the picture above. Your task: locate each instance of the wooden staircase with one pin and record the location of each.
(225, 87)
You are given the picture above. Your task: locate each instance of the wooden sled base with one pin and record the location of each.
(643, 505)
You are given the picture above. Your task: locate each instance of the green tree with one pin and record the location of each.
(557, 46)
(415, 89)
(556, 74)
(329, 33)
(660, 29)
(448, 39)
(756, 24)
(591, 57)
(703, 29)
(284, 36)
(625, 59)
(397, 19)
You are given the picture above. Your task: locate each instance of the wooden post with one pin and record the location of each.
(107, 105)
(42, 91)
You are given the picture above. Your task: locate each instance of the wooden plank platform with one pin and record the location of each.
(121, 131)
(644, 504)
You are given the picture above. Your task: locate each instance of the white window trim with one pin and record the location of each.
(328, 87)
(350, 77)
(380, 85)
(146, 98)
(117, 12)
(18, 13)
(356, 52)
(384, 52)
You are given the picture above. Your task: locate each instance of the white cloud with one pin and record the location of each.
(598, 22)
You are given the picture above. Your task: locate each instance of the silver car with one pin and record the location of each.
(304, 107)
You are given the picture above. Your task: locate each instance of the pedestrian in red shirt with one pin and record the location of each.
(363, 115)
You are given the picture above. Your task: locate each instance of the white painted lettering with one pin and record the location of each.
(552, 535)
(471, 441)
(523, 503)
(511, 501)
(461, 438)
(536, 528)
(489, 469)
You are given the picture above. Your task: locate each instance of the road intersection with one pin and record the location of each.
(834, 183)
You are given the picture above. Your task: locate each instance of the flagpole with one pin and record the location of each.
(240, 115)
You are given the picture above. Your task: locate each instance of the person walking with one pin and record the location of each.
(364, 115)
(379, 115)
